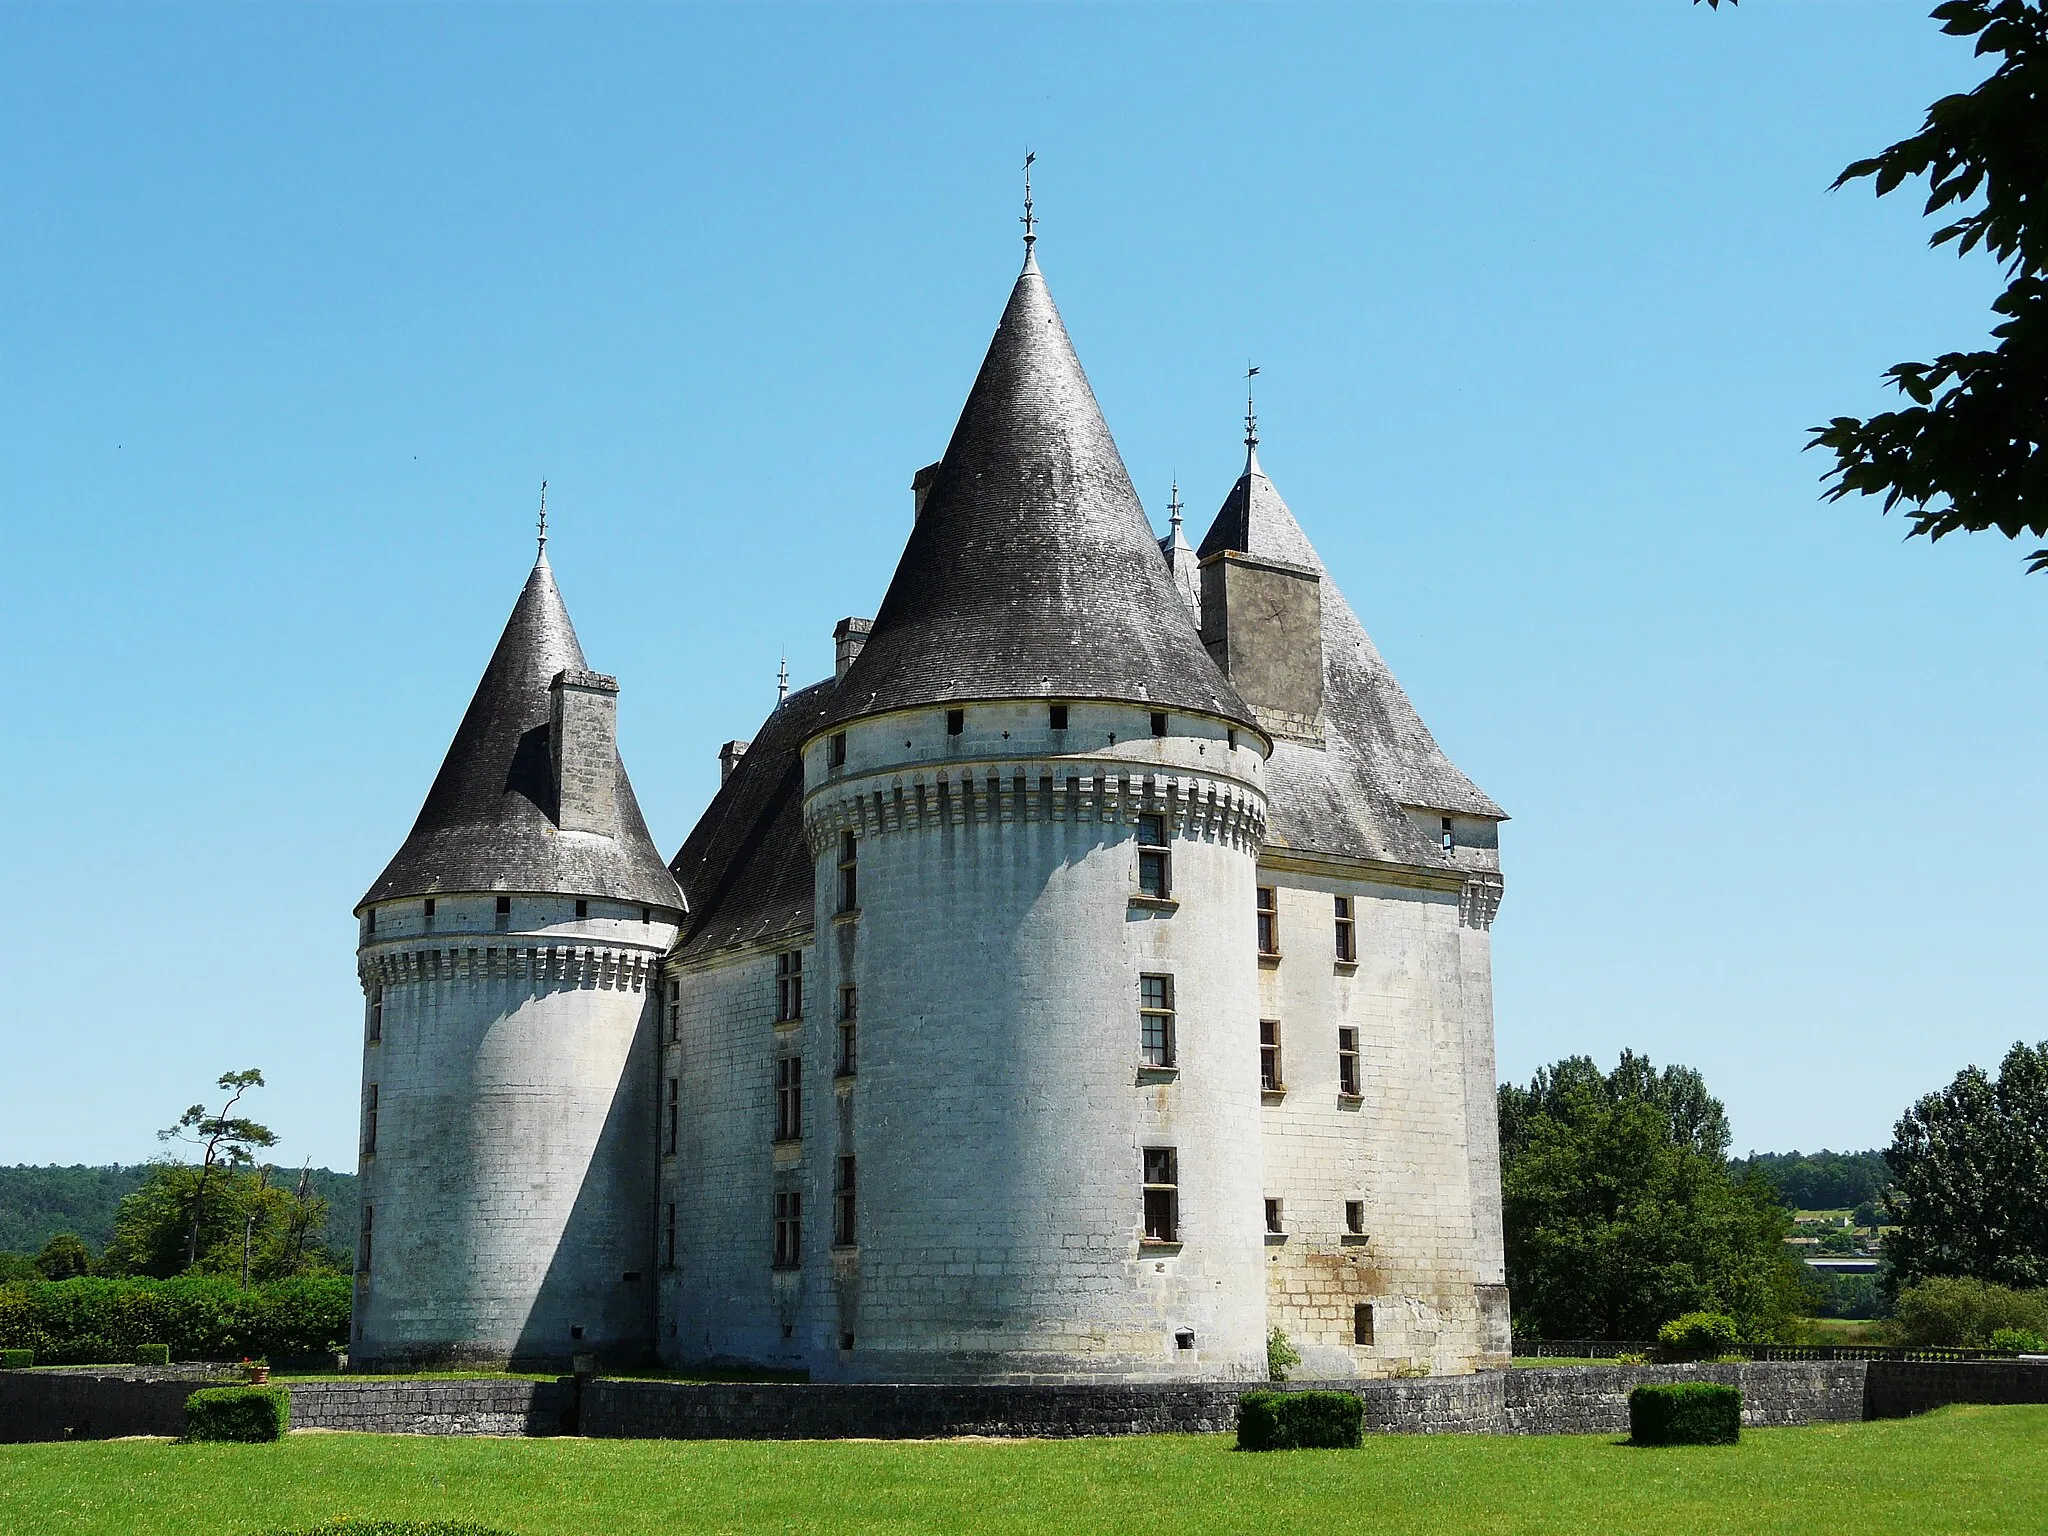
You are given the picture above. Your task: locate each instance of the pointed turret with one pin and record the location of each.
(532, 796)
(1180, 555)
(1032, 570)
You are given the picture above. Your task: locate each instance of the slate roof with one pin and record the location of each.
(488, 822)
(745, 868)
(1380, 756)
(1032, 570)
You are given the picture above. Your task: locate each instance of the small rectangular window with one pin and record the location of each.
(370, 1121)
(668, 1237)
(789, 1230)
(1347, 931)
(430, 909)
(956, 721)
(582, 908)
(371, 918)
(835, 750)
(1347, 1063)
(789, 986)
(1155, 858)
(849, 872)
(1158, 722)
(1162, 1196)
(1273, 1216)
(1155, 1020)
(1361, 1323)
(1450, 837)
(504, 906)
(1354, 1217)
(1059, 717)
(1269, 1055)
(789, 1098)
(647, 914)
(1269, 921)
(674, 1120)
(376, 1025)
(849, 1049)
(843, 1230)
(363, 1250)
(1230, 739)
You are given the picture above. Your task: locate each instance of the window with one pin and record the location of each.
(675, 1112)
(842, 1204)
(849, 1015)
(582, 908)
(1450, 837)
(1269, 920)
(1155, 858)
(429, 911)
(789, 1230)
(789, 986)
(1158, 722)
(789, 1098)
(1269, 1055)
(647, 914)
(370, 1122)
(1230, 739)
(668, 1237)
(363, 1249)
(675, 1012)
(1361, 1323)
(835, 750)
(376, 1026)
(504, 906)
(849, 873)
(845, 1340)
(1162, 1196)
(1347, 1063)
(1347, 931)
(370, 917)
(1059, 717)
(1354, 1218)
(956, 721)
(1273, 1217)
(1155, 1020)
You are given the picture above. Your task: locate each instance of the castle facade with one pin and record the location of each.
(1090, 976)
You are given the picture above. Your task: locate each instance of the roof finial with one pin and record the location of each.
(782, 679)
(1251, 418)
(1173, 506)
(543, 517)
(1028, 221)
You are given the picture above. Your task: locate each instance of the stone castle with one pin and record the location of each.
(1090, 976)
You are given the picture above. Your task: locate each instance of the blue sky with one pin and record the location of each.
(298, 305)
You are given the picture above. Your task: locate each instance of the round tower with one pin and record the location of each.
(509, 956)
(1035, 807)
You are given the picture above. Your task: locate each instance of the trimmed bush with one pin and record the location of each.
(1685, 1413)
(237, 1413)
(16, 1359)
(152, 1354)
(96, 1320)
(1697, 1336)
(391, 1528)
(1300, 1421)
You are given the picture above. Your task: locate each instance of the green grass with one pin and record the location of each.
(1959, 1470)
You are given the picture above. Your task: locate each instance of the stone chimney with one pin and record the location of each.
(921, 487)
(848, 636)
(583, 726)
(729, 757)
(1262, 622)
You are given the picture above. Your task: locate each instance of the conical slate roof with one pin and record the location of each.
(1365, 708)
(1032, 570)
(488, 823)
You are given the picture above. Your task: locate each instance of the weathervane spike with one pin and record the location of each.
(1029, 222)
(782, 679)
(543, 517)
(1173, 506)
(1251, 416)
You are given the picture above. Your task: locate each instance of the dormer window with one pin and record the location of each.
(1450, 837)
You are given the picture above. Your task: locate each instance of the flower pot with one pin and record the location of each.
(258, 1374)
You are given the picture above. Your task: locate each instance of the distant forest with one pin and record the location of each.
(1821, 1181)
(38, 1203)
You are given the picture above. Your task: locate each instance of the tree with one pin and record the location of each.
(152, 1235)
(1622, 1212)
(64, 1257)
(224, 1140)
(1971, 1168)
(1971, 452)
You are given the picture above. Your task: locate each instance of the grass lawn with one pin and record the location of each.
(1961, 1469)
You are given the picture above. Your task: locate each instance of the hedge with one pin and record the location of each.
(238, 1413)
(16, 1359)
(391, 1528)
(97, 1321)
(1300, 1421)
(1685, 1413)
(152, 1354)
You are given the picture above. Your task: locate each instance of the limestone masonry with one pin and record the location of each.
(1089, 977)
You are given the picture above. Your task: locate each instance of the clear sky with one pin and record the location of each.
(298, 305)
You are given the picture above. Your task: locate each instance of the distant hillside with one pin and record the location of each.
(1821, 1181)
(37, 1203)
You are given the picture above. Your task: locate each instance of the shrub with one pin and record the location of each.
(1685, 1413)
(237, 1413)
(1299, 1421)
(1696, 1336)
(16, 1359)
(2020, 1340)
(1959, 1312)
(1281, 1355)
(152, 1354)
(93, 1320)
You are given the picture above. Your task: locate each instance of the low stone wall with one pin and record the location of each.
(1895, 1389)
(1593, 1400)
(397, 1406)
(97, 1404)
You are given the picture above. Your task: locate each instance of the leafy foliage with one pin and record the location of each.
(225, 1140)
(2023, 1340)
(1281, 1355)
(1697, 1336)
(1300, 1421)
(1622, 1212)
(1971, 451)
(64, 1257)
(1961, 1313)
(1685, 1413)
(1971, 1169)
(247, 1414)
(37, 1203)
(97, 1320)
(1823, 1180)
(152, 1231)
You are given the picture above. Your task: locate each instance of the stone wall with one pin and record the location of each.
(93, 1405)
(1893, 1389)
(1590, 1400)
(396, 1406)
